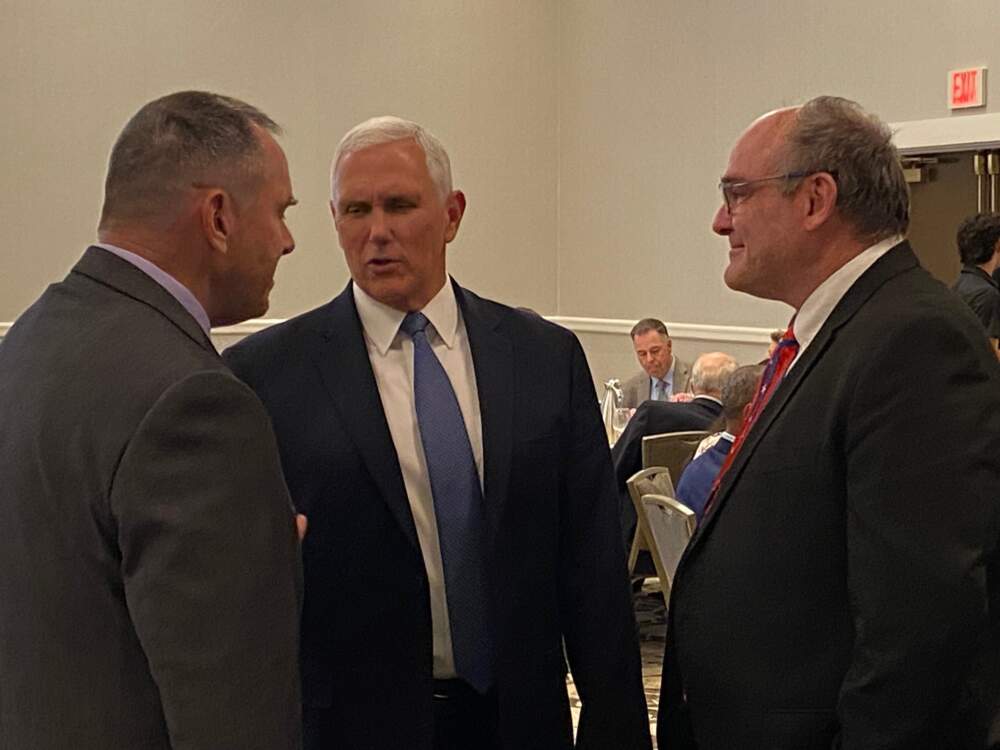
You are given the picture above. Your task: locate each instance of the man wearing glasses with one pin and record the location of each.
(842, 590)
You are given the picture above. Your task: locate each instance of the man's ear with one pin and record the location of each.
(820, 191)
(455, 206)
(217, 218)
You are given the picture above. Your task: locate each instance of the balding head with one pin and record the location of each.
(710, 373)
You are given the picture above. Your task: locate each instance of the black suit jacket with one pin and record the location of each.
(148, 556)
(654, 418)
(553, 551)
(842, 591)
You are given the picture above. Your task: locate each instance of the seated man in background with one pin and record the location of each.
(978, 241)
(663, 375)
(696, 482)
(709, 374)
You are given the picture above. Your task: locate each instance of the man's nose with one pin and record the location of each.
(723, 221)
(378, 230)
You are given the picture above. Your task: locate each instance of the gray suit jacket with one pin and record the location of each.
(148, 559)
(636, 388)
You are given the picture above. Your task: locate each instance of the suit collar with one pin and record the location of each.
(493, 361)
(342, 358)
(896, 261)
(107, 268)
(818, 306)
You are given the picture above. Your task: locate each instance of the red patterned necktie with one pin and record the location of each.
(777, 366)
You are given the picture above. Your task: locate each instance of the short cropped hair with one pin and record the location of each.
(776, 335)
(177, 140)
(977, 238)
(649, 324)
(710, 372)
(739, 390)
(389, 129)
(835, 135)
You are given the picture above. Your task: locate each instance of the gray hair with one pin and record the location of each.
(739, 389)
(835, 135)
(710, 373)
(177, 140)
(389, 129)
(649, 324)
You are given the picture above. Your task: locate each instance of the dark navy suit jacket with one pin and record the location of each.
(553, 548)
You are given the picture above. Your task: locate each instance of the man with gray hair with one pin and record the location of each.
(708, 376)
(149, 566)
(695, 482)
(452, 460)
(851, 542)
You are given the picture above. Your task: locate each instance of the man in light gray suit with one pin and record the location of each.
(149, 569)
(663, 375)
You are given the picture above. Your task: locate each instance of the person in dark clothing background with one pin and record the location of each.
(978, 241)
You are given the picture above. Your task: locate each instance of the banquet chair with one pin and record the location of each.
(669, 525)
(671, 449)
(655, 480)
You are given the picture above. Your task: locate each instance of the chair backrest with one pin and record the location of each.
(655, 480)
(670, 525)
(671, 449)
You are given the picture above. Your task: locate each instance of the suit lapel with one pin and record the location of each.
(110, 270)
(493, 362)
(899, 259)
(342, 358)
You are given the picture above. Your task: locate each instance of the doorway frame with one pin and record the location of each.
(947, 134)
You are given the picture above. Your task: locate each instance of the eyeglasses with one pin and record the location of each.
(734, 193)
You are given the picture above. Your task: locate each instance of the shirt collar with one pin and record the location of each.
(818, 305)
(706, 397)
(979, 272)
(381, 322)
(175, 288)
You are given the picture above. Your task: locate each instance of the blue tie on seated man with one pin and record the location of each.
(695, 483)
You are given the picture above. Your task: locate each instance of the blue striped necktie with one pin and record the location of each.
(458, 508)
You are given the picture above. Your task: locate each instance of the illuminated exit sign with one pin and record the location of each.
(966, 88)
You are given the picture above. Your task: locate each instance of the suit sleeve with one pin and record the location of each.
(596, 604)
(922, 476)
(211, 566)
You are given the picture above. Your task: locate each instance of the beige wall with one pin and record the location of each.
(481, 75)
(587, 134)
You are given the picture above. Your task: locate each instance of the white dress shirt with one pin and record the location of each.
(391, 356)
(818, 305)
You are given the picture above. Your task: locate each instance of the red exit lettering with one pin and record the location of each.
(966, 88)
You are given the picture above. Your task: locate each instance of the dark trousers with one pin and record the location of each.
(464, 719)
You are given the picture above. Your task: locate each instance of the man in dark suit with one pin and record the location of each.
(450, 455)
(149, 570)
(708, 376)
(978, 240)
(842, 588)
